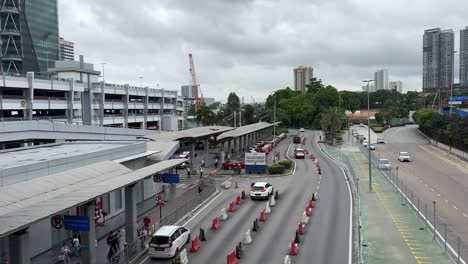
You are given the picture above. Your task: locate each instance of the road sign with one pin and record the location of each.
(157, 178)
(160, 200)
(255, 158)
(170, 178)
(57, 221)
(76, 223)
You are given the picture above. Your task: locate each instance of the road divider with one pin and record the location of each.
(267, 207)
(239, 251)
(231, 258)
(232, 207)
(223, 216)
(272, 201)
(215, 224)
(300, 229)
(305, 218)
(256, 227)
(184, 257)
(287, 260)
(297, 240)
(243, 195)
(293, 248)
(238, 200)
(248, 237)
(308, 212)
(195, 244)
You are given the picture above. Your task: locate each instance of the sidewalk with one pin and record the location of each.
(145, 208)
(391, 232)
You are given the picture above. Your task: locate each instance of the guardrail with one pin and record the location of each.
(134, 249)
(442, 230)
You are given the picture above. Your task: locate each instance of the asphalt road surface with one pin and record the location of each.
(433, 174)
(326, 238)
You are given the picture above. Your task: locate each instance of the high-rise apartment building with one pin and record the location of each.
(29, 35)
(381, 80)
(396, 85)
(464, 58)
(302, 77)
(67, 50)
(438, 59)
(189, 92)
(371, 88)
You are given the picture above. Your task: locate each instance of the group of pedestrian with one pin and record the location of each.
(66, 252)
(200, 169)
(113, 241)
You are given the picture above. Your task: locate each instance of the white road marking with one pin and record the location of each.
(183, 185)
(438, 194)
(465, 215)
(201, 209)
(446, 200)
(455, 207)
(426, 185)
(432, 189)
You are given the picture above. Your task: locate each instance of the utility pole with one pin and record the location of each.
(235, 125)
(240, 118)
(368, 133)
(451, 89)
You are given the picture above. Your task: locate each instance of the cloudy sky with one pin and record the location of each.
(252, 46)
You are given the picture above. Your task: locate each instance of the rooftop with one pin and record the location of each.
(243, 130)
(198, 132)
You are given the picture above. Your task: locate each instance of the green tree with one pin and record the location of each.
(299, 110)
(248, 114)
(233, 103)
(204, 115)
(331, 121)
(314, 86)
(389, 110)
(327, 97)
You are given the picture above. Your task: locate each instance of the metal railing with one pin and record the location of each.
(133, 250)
(426, 211)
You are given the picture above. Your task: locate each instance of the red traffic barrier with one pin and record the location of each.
(300, 229)
(308, 211)
(262, 216)
(231, 258)
(232, 207)
(238, 200)
(311, 203)
(293, 249)
(195, 244)
(215, 224)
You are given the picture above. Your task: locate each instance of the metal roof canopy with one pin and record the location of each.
(198, 132)
(243, 130)
(25, 203)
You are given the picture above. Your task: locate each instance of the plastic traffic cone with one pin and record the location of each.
(238, 200)
(232, 207)
(215, 224)
(262, 216)
(293, 249)
(300, 229)
(237, 186)
(195, 244)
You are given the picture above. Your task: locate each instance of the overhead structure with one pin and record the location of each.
(195, 85)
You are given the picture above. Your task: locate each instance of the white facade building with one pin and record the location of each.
(396, 85)
(381, 80)
(74, 95)
(302, 77)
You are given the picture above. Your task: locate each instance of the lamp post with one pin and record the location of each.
(368, 133)
(451, 89)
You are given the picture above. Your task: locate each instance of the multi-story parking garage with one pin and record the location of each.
(73, 94)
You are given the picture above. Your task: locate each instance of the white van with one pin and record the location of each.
(168, 241)
(384, 164)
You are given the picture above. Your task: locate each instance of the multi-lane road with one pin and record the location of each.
(433, 175)
(327, 236)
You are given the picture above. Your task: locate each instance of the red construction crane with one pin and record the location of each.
(195, 85)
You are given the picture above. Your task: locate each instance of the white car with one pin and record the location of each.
(372, 147)
(365, 143)
(168, 241)
(301, 129)
(384, 164)
(404, 156)
(184, 155)
(381, 141)
(261, 190)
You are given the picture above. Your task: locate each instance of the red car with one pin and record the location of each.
(299, 153)
(233, 164)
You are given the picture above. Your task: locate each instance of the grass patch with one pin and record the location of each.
(378, 128)
(279, 169)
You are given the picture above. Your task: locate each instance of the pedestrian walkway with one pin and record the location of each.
(391, 232)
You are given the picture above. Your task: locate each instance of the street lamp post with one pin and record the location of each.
(368, 133)
(451, 89)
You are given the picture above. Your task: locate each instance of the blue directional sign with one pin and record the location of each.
(76, 223)
(170, 178)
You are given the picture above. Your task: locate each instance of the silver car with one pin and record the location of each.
(404, 156)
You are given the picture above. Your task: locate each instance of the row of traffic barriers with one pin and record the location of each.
(306, 215)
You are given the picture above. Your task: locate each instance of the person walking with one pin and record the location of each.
(203, 163)
(201, 172)
(216, 163)
(188, 171)
(76, 245)
(65, 254)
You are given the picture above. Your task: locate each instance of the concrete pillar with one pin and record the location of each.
(70, 100)
(125, 103)
(130, 213)
(145, 108)
(161, 110)
(229, 147)
(87, 106)
(207, 150)
(102, 98)
(88, 239)
(20, 250)
(29, 97)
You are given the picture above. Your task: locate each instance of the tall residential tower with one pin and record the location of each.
(302, 77)
(438, 59)
(381, 80)
(29, 35)
(464, 58)
(67, 50)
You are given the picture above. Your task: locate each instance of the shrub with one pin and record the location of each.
(279, 131)
(287, 163)
(275, 169)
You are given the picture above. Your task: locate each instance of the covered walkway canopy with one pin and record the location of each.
(244, 130)
(193, 133)
(25, 203)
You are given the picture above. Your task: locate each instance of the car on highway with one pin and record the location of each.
(184, 155)
(261, 190)
(168, 241)
(301, 129)
(365, 143)
(372, 146)
(297, 139)
(233, 164)
(361, 125)
(381, 141)
(384, 164)
(183, 165)
(299, 153)
(404, 156)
